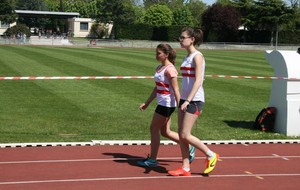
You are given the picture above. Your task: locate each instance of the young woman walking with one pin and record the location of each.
(192, 101)
(166, 91)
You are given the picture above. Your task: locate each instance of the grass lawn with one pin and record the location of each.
(84, 110)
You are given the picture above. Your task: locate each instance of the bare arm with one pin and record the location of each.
(174, 84)
(144, 105)
(198, 60)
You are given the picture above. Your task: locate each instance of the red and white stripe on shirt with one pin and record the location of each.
(187, 71)
(164, 91)
(188, 78)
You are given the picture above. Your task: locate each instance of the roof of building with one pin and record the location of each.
(46, 14)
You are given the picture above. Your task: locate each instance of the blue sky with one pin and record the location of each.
(210, 2)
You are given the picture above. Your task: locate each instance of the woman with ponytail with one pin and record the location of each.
(192, 101)
(166, 92)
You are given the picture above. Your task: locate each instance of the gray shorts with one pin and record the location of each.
(194, 107)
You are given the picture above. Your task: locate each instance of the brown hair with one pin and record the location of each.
(196, 33)
(167, 49)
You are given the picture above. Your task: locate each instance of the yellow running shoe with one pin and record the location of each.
(211, 164)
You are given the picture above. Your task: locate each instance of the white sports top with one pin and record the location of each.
(188, 78)
(164, 92)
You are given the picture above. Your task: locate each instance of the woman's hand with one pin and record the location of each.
(184, 106)
(144, 106)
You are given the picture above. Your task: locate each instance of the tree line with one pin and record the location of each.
(225, 20)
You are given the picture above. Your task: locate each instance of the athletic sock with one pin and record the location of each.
(186, 169)
(210, 154)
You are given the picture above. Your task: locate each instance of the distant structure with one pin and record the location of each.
(73, 25)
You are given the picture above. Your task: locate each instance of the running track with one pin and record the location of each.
(105, 167)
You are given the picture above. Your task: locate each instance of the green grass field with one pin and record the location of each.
(84, 110)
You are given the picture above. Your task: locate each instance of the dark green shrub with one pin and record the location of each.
(134, 32)
(289, 37)
(19, 28)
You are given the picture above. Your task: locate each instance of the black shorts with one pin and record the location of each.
(194, 107)
(164, 111)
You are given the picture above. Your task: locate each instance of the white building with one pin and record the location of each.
(78, 27)
(81, 27)
(4, 27)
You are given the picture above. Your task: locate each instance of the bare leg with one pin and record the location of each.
(158, 121)
(185, 123)
(168, 133)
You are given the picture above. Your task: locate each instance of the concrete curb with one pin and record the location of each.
(140, 142)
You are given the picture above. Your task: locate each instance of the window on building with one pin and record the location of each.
(3, 25)
(84, 26)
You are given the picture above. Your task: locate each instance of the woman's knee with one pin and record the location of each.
(165, 133)
(184, 137)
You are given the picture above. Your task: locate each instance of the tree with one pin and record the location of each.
(120, 12)
(139, 13)
(158, 15)
(176, 4)
(271, 14)
(224, 2)
(295, 3)
(7, 11)
(182, 16)
(149, 3)
(19, 28)
(295, 23)
(117, 11)
(245, 8)
(35, 5)
(197, 8)
(221, 22)
(172, 4)
(51, 5)
(86, 8)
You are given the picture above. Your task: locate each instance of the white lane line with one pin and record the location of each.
(146, 178)
(258, 157)
(256, 176)
(274, 156)
(58, 161)
(282, 157)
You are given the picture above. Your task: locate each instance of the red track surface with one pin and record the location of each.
(249, 166)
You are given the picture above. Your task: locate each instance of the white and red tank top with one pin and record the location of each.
(164, 92)
(187, 69)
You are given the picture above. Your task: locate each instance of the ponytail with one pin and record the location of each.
(196, 33)
(167, 49)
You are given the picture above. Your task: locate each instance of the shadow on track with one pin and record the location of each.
(132, 160)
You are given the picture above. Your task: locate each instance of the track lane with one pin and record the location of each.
(252, 166)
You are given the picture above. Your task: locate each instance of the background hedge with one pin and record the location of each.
(171, 33)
